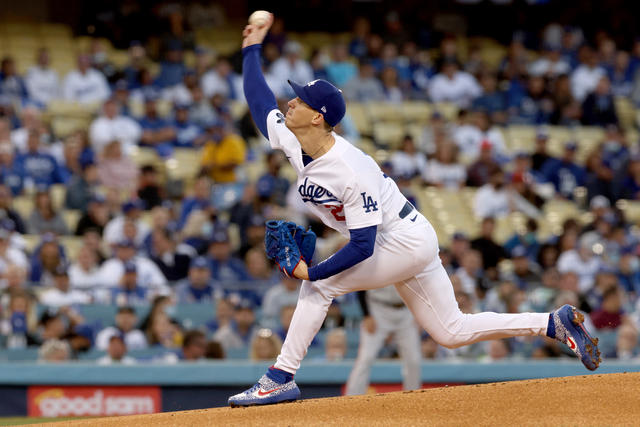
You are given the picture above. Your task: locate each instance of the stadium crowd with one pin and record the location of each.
(151, 245)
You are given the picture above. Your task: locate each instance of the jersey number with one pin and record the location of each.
(336, 211)
(368, 204)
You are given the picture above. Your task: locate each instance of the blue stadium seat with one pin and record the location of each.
(237, 353)
(29, 354)
(194, 315)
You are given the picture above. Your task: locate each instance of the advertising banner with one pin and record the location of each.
(71, 401)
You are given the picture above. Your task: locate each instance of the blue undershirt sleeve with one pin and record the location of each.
(359, 248)
(259, 97)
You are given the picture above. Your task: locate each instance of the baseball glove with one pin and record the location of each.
(287, 243)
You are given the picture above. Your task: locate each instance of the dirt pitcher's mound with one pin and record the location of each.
(612, 399)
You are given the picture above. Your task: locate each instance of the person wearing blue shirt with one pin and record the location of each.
(492, 100)
(39, 167)
(11, 84)
(564, 173)
(129, 293)
(200, 200)
(188, 133)
(156, 131)
(198, 287)
(224, 266)
(534, 106)
(11, 172)
(172, 69)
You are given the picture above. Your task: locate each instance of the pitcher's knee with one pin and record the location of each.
(449, 334)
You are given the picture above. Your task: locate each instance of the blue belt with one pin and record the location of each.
(406, 210)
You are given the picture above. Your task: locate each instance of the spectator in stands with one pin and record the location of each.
(470, 136)
(171, 261)
(586, 76)
(194, 346)
(550, 64)
(11, 173)
(182, 92)
(340, 70)
(223, 315)
(581, 261)
(199, 200)
(10, 256)
(492, 252)
(116, 352)
(131, 213)
(391, 89)
(125, 327)
(526, 274)
(115, 169)
(11, 83)
(540, 154)
(238, 333)
(95, 217)
(598, 108)
(492, 100)
(364, 87)
(54, 351)
(452, 85)
(564, 173)
(493, 198)
(137, 61)
(188, 133)
(6, 205)
(85, 84)
(265, 345)
(444, 170)
(197, 288)
(30, 121)
(39, 166)
(335, 345)
(157, 132)
(82, 188)
(163, 333)
(223, 153)
(224, 266)
(627, 342)
(42, 82)
(111, 126)
(534, 106)
(407, 161)
(129, 291)
(566, 110)
(621, 75)
(148, 276)
(150, 192)
(14, 278)
(272, 185)
(631, 183)
(62, 294)
(470, 271)
(84, 272)
(172, 68)
(220, 80)
(283, 294)
(46, 258)
(146, 89)
(599, 177)
(291, 66)
(285, 317)
(44, 217)
(610, 314)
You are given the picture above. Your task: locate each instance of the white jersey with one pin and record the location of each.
(344, 187)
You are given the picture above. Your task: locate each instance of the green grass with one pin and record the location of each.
(17, 421)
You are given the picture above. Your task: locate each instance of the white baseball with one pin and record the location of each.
(259, 18)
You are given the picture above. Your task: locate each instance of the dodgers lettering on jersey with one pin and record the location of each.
(344, 187)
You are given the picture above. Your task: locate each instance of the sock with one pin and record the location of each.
(551, 327)
(279, 376)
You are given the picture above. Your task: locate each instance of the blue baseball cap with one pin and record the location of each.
(323, 97)
(130, 267)
(199, 262)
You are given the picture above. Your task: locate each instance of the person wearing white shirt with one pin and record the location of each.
(149, 275)
(586, 76)
(220, 80)
(112, 126)
(291, 66)
(551, 64)
(114, 231)
(281, 295)
(469, 137)
(85, 84)
(116, 353)
(444, 170)
(61, 295)
(452, 85)
(492, 199)
(85, 273)
(10, 255)
(125, 326)
(582, 262)
(407, 161)
(30, 118)
(43, 83)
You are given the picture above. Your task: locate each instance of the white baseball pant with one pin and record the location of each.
(408, 258)
(389, 320)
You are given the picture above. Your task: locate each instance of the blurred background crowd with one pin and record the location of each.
(135, 186)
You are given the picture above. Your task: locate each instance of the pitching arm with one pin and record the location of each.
(259, 97)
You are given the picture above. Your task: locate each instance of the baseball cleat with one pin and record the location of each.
(266, 392)
(570, 331)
